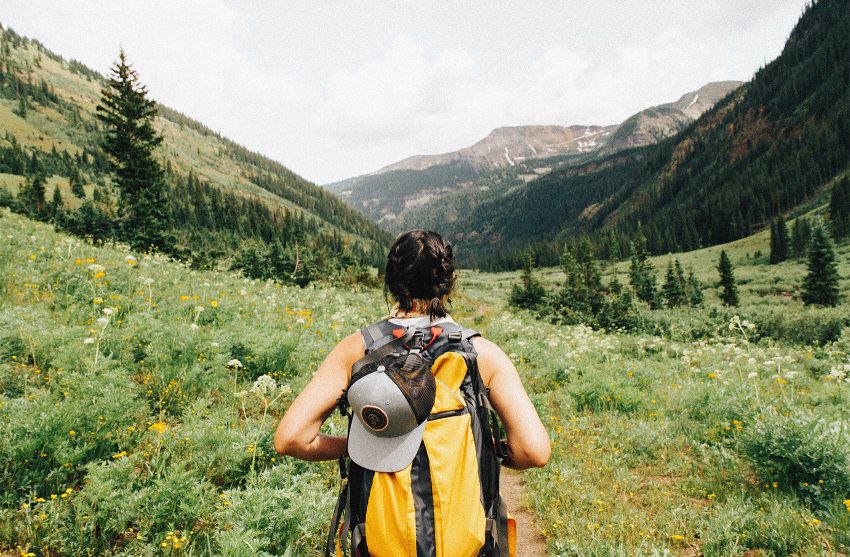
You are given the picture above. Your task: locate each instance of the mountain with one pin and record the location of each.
(509, 146)
(775, 143)
(659, 122)
(222, 194)
(399, 195)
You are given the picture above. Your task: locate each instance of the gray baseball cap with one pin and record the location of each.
(391, 408)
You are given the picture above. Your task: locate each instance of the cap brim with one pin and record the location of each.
(383, 454)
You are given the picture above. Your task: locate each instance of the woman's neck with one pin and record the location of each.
(418, 310)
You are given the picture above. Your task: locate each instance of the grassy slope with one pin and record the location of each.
(650, 436)
(188, 147)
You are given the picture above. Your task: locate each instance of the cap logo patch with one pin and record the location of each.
(374, 418)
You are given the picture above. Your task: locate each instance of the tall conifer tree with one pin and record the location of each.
(729, 295)
(641, 272)
(778, 241)
(820, 286)
(130, 140)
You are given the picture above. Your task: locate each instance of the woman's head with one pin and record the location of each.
(420, 272)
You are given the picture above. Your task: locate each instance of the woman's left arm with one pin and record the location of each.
(298, 432)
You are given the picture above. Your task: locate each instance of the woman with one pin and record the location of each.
(420, 277)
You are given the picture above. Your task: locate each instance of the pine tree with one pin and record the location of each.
(641, 272)
(820, 286)
(779, 243)
(56, 204)
(800, 235)
(673, 287)
(695, 296)
(130, 140)
(32, 200)
(76, 181)
(529, 293)
(729, 296)
(839, 209)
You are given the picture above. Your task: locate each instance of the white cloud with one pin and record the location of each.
(403, 93)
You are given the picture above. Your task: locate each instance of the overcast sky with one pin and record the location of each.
(337, 89)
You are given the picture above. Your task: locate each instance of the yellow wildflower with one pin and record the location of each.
(158, 427)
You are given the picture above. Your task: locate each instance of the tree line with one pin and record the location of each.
(583, 298)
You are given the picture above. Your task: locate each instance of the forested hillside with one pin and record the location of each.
(771, 146)
(229, 205)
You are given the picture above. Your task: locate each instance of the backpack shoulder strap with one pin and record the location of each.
(377, 334)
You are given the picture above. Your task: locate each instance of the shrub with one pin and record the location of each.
(802, 453)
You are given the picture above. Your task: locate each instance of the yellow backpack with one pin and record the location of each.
(446, 503)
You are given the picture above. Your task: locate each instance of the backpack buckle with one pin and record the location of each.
(455, 336)
(417, 343)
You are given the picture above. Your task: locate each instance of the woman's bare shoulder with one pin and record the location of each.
(492, 360)
(351, 346)
(487, 348)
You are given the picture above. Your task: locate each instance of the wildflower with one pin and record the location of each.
(847, 504)
(184, 297)
(263, 385)
(712, 375)
(122, 454)
(103, 321)
(97, 301)
(235, 363)
(72, 432)
(158, 427)
(677, 537)
(214, 304)
(131, 261)
(148, 281)
(837, 373)
(752, 375)
(108, 311)
(194, 326)
(214, 344)
(88, 340)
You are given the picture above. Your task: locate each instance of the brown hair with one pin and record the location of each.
(420, 266)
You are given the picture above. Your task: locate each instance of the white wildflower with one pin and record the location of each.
(752, 375)
(214, 344)
(235, 363)
(108, 311)
(88, 340)
(264, 384)
(148, 281)
(199, 309)
(95, 268)
(103, 321)
(194, 326)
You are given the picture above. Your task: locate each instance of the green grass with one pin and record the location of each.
(126, 430)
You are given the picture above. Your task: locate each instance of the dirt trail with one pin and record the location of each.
(529, 541)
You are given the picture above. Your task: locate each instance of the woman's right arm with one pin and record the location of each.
(528, 441)
(298, 432)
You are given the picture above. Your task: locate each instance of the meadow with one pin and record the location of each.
(139, 399)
